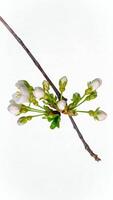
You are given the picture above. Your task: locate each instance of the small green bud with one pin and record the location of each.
(62, 84)
(98, 114)
(24, 120)
(46, 85)
(33, 100)
(23, 109)
(92, 96)
(88, 91)
(91, 113)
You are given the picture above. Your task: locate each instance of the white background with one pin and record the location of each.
(72, 38)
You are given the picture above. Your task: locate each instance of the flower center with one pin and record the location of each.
(18, 94)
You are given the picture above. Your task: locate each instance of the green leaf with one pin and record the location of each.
(50, 117)
(75, 99)
(55, 122)
(51, 99)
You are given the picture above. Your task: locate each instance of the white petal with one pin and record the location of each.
(38, 92)
(14, 109)
(61, 105)
(96, 83)
(20, 84)
(101, 115)
(19, 97)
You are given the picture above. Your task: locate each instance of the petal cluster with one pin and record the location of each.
(28, 99)
(22, 95)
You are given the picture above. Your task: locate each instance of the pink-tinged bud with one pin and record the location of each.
(14, 108)
(38, 93)
(61, 105)
(101, 115)
(95, 84)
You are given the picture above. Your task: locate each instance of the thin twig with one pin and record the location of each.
(30, 55)
(84, 142)
(51, 83)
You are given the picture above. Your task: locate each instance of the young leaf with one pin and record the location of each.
(55, 122)
(75, 99)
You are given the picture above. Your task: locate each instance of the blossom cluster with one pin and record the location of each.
(42, 102)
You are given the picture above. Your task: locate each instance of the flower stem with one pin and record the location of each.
(83, 96)
(81, 103)
(61, 96)
(34, 110)
(37, 115)
(82, 111)
(40, 107)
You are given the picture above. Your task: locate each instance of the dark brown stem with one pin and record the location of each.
(84, 142)
(31, 56)
(51, 83)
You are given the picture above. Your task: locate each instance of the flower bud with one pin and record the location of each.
(46, 86)
(98, 114)
(38, 93)
(24, 120)
(62, 83)
(14, 108)
(101, 115)
(61, 105)
(95, 84)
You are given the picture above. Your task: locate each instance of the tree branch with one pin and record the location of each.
(83, 141)
(51, 83)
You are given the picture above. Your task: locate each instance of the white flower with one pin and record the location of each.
(95, 84)
(38, 92)
(61, 105)
(101, 115)
(14, 108)
(21, 96)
